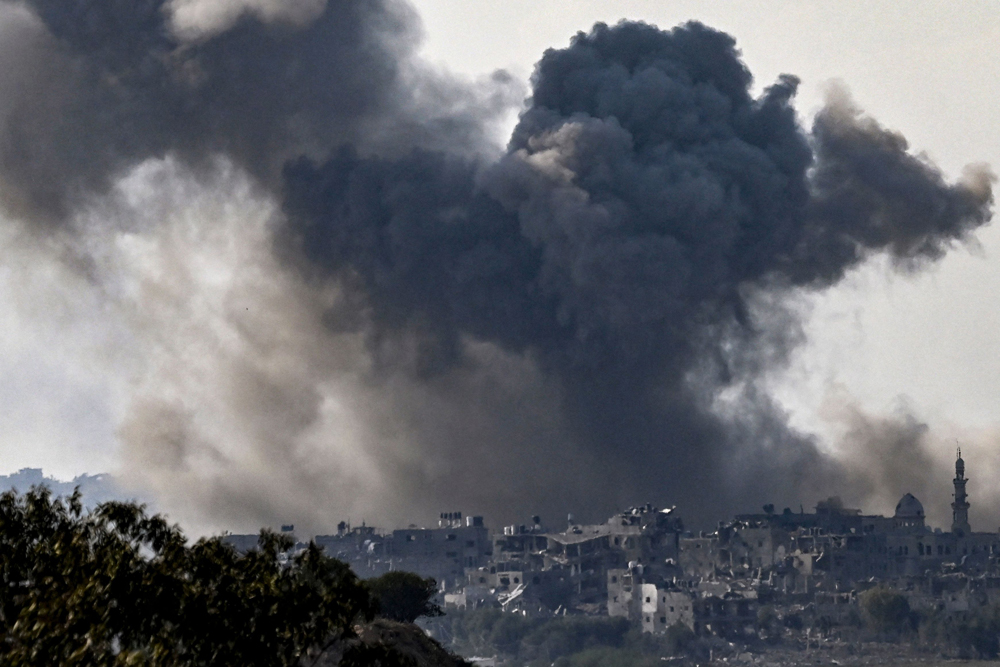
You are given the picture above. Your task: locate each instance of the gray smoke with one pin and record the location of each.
(579, 322)
(645, 200)
(892, 454)
(100, 86)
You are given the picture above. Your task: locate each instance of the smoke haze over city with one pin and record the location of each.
(302, 273)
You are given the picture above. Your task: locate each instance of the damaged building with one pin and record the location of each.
(643, 565)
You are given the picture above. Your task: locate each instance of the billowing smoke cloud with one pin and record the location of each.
(645, 199)
(409, 319)
(870, 194)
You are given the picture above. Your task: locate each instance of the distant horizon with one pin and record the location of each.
(95, 489)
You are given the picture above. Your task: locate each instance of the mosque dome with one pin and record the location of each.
(909, 507)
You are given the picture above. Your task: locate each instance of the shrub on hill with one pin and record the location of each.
(886, 611)
(404, 596)
(116, 587)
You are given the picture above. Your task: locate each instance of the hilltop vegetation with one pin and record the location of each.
(114, 586)
(563, 641)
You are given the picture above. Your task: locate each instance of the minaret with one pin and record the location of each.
(960, 508)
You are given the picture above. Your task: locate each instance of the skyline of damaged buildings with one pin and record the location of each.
(644, 565)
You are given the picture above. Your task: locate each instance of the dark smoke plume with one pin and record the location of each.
(579, 322)
(646, 196)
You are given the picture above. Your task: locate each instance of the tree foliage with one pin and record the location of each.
(404, 596)
(885, 610)
(527, 640)
(970, 634)
(678, 637)
(115, 586)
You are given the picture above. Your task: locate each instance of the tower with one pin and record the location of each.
(960, 508)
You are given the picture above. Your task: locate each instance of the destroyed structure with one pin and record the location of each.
(643, 565)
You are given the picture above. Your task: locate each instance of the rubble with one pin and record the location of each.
(777, 579)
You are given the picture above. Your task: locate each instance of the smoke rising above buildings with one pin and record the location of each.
(350, 300)
(644, 194)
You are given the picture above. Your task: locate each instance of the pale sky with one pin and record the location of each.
(930, 341)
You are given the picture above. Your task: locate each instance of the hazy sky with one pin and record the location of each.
(880, 342)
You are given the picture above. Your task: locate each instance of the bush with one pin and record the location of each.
(885, 610)
(793, 622)
(767, 618)
(115, 587)
(678, 638)
(602, 657)
(404, 596)
(974, 634)
(569, 634)
(493, 632)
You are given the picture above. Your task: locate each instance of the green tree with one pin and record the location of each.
(117, 587)
(970, 634)
(678, 638)
(379, 655)
(404, 596)
(526, 640)
(767, 619)
(885, 610)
